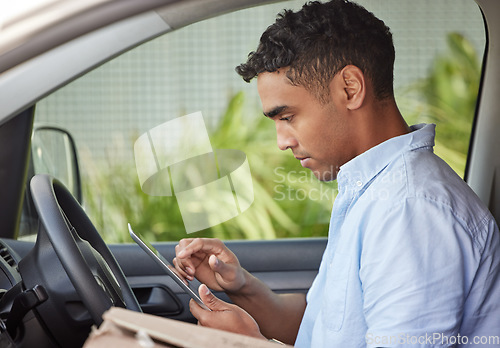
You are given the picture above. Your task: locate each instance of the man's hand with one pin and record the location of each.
(224, 316)
(211, 262)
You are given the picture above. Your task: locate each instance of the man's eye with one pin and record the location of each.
(288, 118)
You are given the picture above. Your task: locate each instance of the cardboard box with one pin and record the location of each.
(127, 329)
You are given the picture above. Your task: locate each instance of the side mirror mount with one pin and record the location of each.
(54, 152)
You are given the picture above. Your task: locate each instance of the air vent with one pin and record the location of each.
(5, 254)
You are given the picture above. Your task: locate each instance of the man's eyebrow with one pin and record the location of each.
(276, 111)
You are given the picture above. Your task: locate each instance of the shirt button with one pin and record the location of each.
(359, 183)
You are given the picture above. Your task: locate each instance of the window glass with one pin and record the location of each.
(439, 47)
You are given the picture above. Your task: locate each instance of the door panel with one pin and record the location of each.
(285, 265)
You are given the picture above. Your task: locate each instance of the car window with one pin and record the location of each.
(439, 49)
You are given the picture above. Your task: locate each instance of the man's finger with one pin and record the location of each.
(184, 270)
(206, 245)
(206, 317)
(219, 266)
(210, 300)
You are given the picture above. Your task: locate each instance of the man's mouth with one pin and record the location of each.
(303, 161)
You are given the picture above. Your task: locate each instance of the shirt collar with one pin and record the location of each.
(362, 169)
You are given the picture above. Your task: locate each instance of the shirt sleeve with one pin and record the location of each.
(417, 264)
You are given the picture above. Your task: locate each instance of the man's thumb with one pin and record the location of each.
(210, 300)
(218, 266)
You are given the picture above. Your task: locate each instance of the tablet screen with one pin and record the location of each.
(160, 260)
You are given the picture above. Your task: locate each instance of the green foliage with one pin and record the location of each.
(448, 97)
(289, 201)
(282, 207)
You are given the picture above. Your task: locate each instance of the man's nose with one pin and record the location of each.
(285, 138)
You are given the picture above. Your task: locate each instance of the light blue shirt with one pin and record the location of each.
(413, 256)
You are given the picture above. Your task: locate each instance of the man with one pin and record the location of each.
(412, 255)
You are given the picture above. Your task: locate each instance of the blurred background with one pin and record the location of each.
(438, 67)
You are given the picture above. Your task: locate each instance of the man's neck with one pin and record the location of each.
(380, 122)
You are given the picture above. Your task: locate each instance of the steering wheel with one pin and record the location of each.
(85, 258)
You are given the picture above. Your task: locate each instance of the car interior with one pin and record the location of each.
(80, 83)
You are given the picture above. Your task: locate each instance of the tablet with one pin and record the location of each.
(160, 260)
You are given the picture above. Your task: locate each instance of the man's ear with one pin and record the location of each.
(354, 84)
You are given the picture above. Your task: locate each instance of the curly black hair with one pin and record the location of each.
(319, 40)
